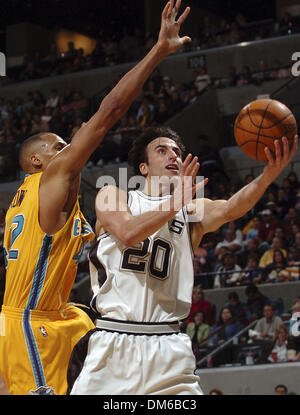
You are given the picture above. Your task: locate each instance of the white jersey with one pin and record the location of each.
(150, 282)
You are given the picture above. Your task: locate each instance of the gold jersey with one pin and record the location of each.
(40, 268)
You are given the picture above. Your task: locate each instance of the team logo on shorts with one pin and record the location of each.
(43, 390)
(43, 331)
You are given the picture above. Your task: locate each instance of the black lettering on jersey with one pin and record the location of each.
(18, 199)
(156, 255)
(134, 258)
(177, 226)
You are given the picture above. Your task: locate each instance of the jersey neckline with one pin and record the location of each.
(145, 196)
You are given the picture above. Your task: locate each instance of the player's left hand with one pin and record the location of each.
(283, 156)
(169, 40)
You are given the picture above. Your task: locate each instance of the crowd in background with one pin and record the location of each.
(132, 44)
(162, 98)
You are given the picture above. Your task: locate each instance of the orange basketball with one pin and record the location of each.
(260, 123)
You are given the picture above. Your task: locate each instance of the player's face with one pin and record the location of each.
(51, 145)
(164, 158)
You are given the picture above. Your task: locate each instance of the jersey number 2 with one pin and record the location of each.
(19, 222)
(136, 259)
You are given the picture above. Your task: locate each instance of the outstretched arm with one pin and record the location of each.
(59, 175)
(218, 212)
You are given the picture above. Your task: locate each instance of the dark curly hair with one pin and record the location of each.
(138, 153)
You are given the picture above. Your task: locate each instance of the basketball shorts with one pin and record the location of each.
(119, 358)
(35, 348)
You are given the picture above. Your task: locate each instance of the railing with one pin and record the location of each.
(225, 344)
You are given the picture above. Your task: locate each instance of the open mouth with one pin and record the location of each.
(173, 167)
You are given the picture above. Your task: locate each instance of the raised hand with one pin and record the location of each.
(186, 187)
(169, 39)
(283, 155)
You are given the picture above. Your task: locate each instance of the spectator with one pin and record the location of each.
(274, 270)
(198, 331)
(294, 181)
(267, 325)
(279, 352)
(166, 88)
(286, 185)
(255, 302)
(282, 202)
(176, 104)
(245, 77)
(292, 218)
(231, 241)
(281, 234)
(250, 248)
(237, 307)
(252, 274)
(268, 255)
(229, 273)
(162, 113)
(253, 228)
(202, 80)
(262, 75)
(201, 269)
(281, 390)
(151, 90)
(200, 304)
(145, 113)
(219, 258)
(278, 72)
(297, 240)
(79, 103)
(267, 226)
(191, 96)
(38, 125)
(291, 271)
(225, 328)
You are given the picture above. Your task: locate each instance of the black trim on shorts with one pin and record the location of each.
(138, 323)
(77, 359)
(136, 334)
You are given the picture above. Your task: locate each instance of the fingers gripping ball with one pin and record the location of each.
(260, 123)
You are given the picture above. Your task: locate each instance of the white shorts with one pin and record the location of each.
(110, 362)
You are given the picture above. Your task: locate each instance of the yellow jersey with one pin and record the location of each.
(40, 268)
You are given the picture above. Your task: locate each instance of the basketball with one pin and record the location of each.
(260, 123)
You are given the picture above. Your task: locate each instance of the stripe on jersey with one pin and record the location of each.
(40, 273)
(33, 351)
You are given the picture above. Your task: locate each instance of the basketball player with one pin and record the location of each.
(45, 230)
(146, 251)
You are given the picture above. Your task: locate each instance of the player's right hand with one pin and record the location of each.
(169, 40)
(187, 187)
